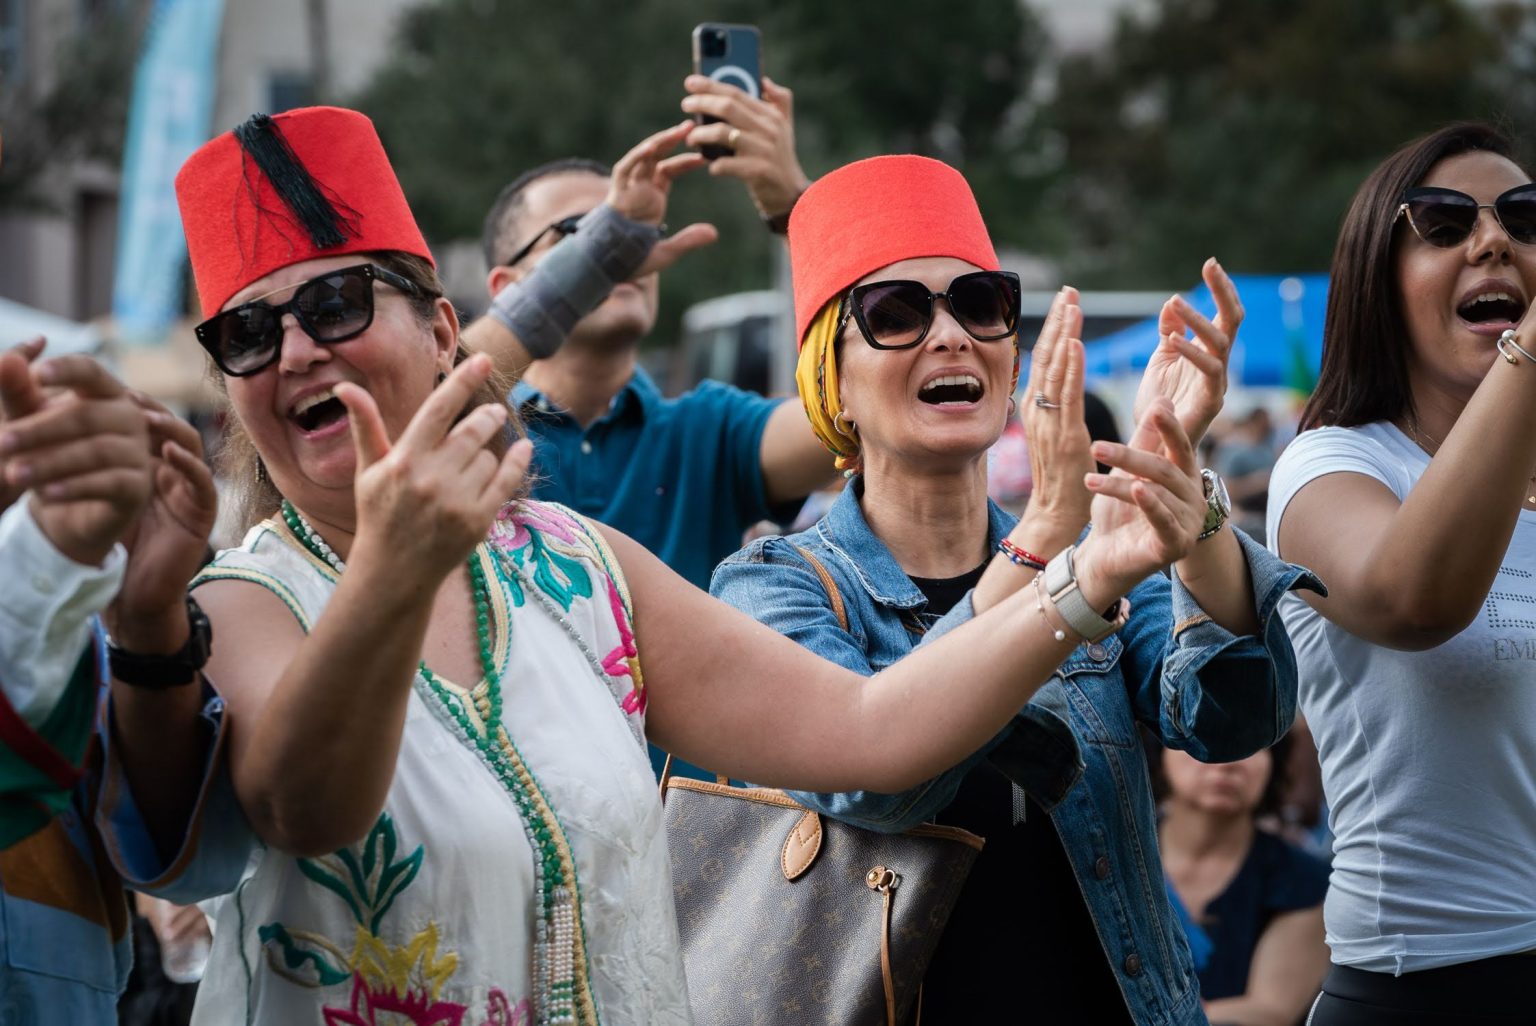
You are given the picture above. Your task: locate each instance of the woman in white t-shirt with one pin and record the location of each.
(1410, 493)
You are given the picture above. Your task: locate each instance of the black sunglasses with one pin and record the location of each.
(565, 226)
(332, 307)
(1445, 217)
(898, 314)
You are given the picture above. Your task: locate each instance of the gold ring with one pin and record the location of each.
(730, 140)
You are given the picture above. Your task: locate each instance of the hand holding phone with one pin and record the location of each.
(732, 55)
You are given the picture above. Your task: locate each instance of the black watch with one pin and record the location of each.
(173, 670)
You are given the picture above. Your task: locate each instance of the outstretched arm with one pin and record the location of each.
(321, 715)
(755, 705)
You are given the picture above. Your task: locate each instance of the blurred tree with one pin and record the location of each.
(81, 114)
(479, 90)
(1244, 129)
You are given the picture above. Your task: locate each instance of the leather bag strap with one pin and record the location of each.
(838, 610)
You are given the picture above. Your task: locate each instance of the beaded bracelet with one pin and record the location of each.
(1056, 632)
(1509, 338)
(1020, 557)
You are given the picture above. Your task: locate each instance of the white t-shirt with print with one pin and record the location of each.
(1428, 758)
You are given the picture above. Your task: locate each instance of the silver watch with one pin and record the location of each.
(1218, 505)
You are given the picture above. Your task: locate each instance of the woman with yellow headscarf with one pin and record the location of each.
(908, 362)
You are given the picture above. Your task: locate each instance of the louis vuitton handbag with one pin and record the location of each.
(787, 916)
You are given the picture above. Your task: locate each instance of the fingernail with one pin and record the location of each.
(53, 491)
(688, 103)
(19, 473)
(8, 441)
(47, 373)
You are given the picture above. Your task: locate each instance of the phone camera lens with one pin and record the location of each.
(713, 43)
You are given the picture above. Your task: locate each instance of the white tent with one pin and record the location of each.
(19, 323)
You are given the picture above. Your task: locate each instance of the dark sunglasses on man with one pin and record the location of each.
(1445, 217)
(331, 307)
(563, 227)
(897, 314)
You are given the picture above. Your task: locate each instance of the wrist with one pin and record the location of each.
(776, 214)
(1048, 531)
(89, 551)
(1099, 589)
(159, 633)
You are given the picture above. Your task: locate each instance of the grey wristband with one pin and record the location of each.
(572, 279)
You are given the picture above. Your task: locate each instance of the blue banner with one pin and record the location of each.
(172, 106)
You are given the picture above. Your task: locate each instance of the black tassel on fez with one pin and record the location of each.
(260, 138)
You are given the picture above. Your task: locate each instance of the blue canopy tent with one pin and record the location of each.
(1279, 344)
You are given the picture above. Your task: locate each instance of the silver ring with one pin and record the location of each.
(1045, 404)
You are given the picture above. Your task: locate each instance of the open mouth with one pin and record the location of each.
(317, 411)
(1492, 307)
(951, 389)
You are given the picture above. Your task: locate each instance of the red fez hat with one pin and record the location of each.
(308, 183)
(875, 212)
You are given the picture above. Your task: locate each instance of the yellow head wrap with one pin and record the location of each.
(816, 377)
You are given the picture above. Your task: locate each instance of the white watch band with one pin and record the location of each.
(1060, 581)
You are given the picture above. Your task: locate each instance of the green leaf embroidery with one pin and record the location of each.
(294, 955)
(321, 874)
(368, 885)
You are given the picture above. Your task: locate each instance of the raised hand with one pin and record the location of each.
(426, 500)
(1147, 512)
(83, 452)
(167, 544)
(1192, 373)
(19, 396)
(762, 134)
(640, 185)
(1058, 437)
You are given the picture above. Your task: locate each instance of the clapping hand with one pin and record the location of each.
(1148, 511)
(426, 499)
(76, 440)
(1058, 437)
(1192, 373)
(167, 544)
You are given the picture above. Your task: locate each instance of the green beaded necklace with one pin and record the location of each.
(554, 963)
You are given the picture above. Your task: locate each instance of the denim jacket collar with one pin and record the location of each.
(846, 532)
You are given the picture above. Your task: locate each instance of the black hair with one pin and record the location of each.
(497, 238)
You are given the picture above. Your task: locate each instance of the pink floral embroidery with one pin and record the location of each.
(512, 523)
(499, 1011)
(623, 660)
(387, 1008)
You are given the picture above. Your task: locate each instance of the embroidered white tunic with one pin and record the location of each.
(432, 918)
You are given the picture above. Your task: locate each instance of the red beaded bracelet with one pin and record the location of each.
(1020, 557)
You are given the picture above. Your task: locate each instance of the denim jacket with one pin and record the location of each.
(1074, 747)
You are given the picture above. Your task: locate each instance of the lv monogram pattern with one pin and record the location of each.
(760, 949)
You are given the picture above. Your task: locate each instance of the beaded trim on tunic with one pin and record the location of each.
(536, 550)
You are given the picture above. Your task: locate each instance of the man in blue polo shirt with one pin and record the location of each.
(686, 476)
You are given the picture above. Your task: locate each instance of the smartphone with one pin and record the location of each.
(731, 54)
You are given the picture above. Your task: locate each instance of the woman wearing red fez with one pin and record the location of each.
(907, 364)
(449, 814)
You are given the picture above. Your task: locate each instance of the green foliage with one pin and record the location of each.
(1239, 129)
(479, 90)
(81, 116)
(1243, 129)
